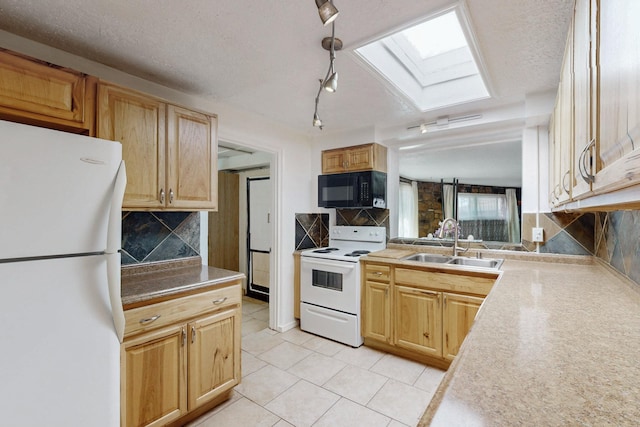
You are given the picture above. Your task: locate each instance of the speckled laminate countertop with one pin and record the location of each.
(142, 285)
(554, 344)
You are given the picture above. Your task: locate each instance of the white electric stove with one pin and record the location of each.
(330, 283)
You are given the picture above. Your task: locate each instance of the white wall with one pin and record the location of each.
(535, 170)
(290, 169)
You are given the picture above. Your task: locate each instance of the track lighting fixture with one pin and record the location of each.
(327, 11)
(330, 81)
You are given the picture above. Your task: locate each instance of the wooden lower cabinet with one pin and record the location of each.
(376, 323)
(421, 314)
(214, 356)
(458, 314)
(418, 320)
(169, 372)
(154, 378)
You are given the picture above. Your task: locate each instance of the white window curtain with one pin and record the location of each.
(513, 222)
(447, 200)
(408, 209)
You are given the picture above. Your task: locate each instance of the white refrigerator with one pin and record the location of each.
(61, 318)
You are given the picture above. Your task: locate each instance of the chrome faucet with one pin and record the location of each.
(455, 235)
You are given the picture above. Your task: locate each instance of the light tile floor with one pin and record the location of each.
(299, 379)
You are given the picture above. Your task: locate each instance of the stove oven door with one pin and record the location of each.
(330, 283)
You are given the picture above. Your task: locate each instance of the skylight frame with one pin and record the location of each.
(384, 60)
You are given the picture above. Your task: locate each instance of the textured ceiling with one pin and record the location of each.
(265, 57)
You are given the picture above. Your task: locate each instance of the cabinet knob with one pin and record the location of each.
(193, 334)
(162, 195)
(170, 195)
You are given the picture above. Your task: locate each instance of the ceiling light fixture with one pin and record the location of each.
(443, 122)
(330, 81)
(327, 11)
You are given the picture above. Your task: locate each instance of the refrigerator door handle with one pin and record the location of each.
(114, 242)
(114, 230)
(115, 295)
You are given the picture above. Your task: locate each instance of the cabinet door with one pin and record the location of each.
(153, 389)
(138, 122)
(192, 154)
(214, 356)
(376, 316)
(565, 123)
(360, 158)
(618, 83)
(42, 93)
(418, 320)
(458, 314)
(334, 161)
(582, 90)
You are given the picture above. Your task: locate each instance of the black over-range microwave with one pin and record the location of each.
(366, 189)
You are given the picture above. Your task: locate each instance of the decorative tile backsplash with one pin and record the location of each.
(564, 233)
(617, 241)
(312, 230)
(364, 217)
(159, 236)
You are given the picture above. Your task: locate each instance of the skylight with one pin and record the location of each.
(431, 63)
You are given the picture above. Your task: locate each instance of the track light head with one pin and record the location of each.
(327, 11)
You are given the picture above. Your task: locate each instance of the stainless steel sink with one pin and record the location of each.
(477, 262)
(429, 258)
(462, 261)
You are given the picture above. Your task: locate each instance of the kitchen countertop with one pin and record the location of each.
(555, 343)
(150, 283)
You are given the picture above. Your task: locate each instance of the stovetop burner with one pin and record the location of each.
(357, 253)
(325, 250)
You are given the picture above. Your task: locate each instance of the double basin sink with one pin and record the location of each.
(456, 260)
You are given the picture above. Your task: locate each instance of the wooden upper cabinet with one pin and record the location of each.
(170, 152)
(618, 69)
(38, 93)
(138, 122)
(583, 120)
(192, 159)
(357, 158)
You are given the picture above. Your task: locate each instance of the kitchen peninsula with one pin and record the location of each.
(555, 343)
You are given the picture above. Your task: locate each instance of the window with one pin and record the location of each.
(432, 63)
(472, 206)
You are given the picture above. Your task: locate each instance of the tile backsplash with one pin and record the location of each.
(364, 217)
(617, 241)
(159, 236)
(312, 230)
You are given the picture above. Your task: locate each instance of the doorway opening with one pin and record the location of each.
(240, 232)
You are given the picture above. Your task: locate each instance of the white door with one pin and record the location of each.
(259, 196)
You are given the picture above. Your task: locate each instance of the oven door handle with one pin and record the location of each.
(345, 265)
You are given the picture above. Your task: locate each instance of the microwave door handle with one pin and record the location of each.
(358, 190)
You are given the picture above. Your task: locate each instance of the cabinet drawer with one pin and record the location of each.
(380, 273)
(444, 281)
(165, 313)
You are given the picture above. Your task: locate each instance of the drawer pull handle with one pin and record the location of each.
(378, 273)
(219, 301)
(149, 319)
